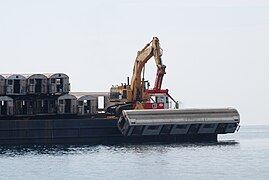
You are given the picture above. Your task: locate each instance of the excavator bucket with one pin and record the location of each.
(178, 121)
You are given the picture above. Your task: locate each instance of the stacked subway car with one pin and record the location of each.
(44, 94)
(40, 109)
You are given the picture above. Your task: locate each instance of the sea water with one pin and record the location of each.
(242, 155)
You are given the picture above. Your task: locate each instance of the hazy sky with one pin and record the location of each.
(216, 52)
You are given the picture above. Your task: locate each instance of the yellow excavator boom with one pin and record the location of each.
(136, 90)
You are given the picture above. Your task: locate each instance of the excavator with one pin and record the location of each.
(137, 95)
(144, 111)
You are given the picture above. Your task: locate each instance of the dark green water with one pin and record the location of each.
(243, 155)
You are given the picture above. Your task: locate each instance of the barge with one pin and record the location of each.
(40, 109)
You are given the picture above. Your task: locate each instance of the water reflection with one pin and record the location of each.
(60, 150)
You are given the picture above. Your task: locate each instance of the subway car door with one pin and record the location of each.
(17, 86)
(68, 106)
(3, 108)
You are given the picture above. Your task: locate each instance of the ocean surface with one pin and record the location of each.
(243, 155)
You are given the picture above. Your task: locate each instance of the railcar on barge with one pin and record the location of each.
(40, 109)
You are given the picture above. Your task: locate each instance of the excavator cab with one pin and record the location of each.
(158, 101)
(124, 93)
(119, 93)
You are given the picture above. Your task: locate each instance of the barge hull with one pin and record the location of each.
(21, 131)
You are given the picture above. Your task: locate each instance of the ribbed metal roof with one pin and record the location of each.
(57, 75)
(90, 94)
(39, 76)
(67, 96)
(27, 75)
(16, 76)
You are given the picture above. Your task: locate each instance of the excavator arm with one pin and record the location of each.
(151, 49)
(142, 58)
(160, 66)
